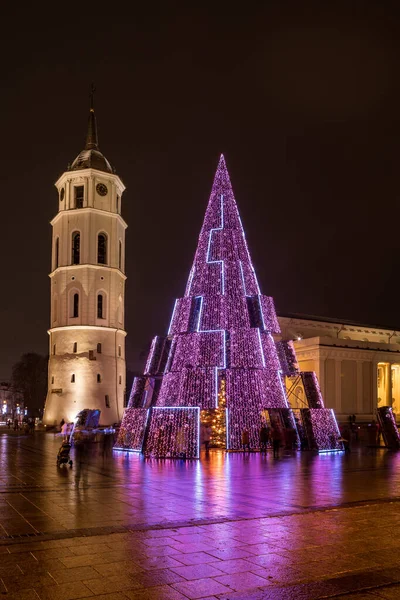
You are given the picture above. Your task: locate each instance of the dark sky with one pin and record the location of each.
(302, 98)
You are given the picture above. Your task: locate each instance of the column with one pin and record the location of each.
(321, 376)
(374, 392)
(338, 385)
(360, 408)
(388, 384)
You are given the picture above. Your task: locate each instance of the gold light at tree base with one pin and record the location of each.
(216, 419)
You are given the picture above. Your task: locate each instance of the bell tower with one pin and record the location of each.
(87, 336)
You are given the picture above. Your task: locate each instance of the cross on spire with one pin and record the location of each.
(91, 96)
(91, 136)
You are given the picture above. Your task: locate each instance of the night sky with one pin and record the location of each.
(303, 100)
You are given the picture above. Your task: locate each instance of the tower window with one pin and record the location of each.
(79, 191)
(73, 378)
(118, 204)
(76, 248)
(119, 350)
(120, 380)
(75, 347)
(52, 379)
(120, 255)
(56, 253)
(91, 355)
(98, 348)
(98, 378)
(102, 249)
(54, 349)
(75, 307)
(107, 400)
(100, 306)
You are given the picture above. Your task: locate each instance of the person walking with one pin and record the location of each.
(207, 438)
(245, 440)
(276, 441)
(264, 438)
(64, 431)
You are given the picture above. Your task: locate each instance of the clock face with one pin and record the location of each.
(101, 189)
(62, 194)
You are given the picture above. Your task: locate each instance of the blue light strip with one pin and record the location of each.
(221, 262)
(227, 428)
(150, 357)
(172, 318)
(145, 427)
(191, 275)
(262, 314)
(198, 432)
(244, 283)
(200, 312)
(248, 255)
(175, 407)
(282, 387)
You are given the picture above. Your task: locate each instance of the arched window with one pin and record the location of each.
(120, 255)
(56, 252)
(100, 306)
(75, 306)
(99, 348)
(98, 378)
(79, 194)
(76, 248)
(102, 249)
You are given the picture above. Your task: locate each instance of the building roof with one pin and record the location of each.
(332, 320)
(91, 157)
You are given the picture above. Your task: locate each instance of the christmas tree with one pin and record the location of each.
(219, 355)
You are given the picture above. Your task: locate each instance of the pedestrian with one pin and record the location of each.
(16, 425)
(245, 440)
(276, 440)
(264, 438)
(64, 431)
(207, 438)
(346, 439)
(106, 444)
(290, 438)
(378, 434)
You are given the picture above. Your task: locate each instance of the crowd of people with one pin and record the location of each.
(271, 436)
(27, 425)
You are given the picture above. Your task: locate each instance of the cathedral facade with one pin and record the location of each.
(87, 336)
(358, 365)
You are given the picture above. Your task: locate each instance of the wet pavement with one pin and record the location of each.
(229, 526)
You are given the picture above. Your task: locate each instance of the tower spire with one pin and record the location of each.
(91, 137)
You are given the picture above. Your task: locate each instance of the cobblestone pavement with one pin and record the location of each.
(230, 527)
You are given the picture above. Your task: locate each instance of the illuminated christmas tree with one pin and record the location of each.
(219, 355)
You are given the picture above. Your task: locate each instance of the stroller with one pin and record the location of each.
(63, 454)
